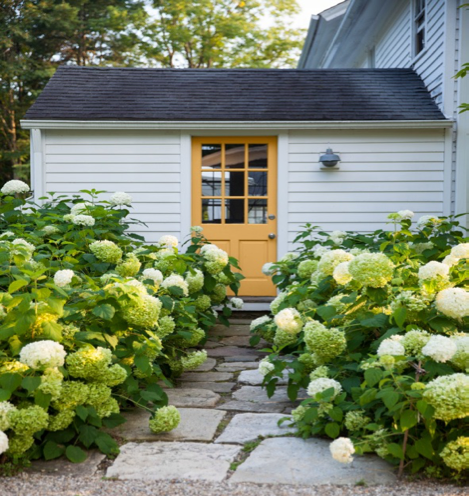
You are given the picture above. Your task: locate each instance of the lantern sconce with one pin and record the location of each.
(329, 160)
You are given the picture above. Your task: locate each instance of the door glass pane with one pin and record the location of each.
(234, 183)
(234, 211)
(257, 182)
(211, 211)
(211, 183)
(257, 212)
(258, 156)
(211, 156)
(234, 156)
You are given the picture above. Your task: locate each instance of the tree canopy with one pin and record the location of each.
(38, 35)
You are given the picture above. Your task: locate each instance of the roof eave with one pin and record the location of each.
(234, 125)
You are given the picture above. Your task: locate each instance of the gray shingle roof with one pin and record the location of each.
(89, 93)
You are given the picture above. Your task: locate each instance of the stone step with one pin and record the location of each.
(237, 366)
(209, 364)
(230, 351)
(233, 330)
(206, 376)
(255, 378)
(192, 398)
(251, 406)
(217, 387)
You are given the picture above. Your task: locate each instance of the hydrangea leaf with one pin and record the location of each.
(15, 285)
(31, 383)
(52, 450)
(75, 454)
(373, 376)
(104, 311)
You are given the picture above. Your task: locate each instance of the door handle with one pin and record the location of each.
(272, 236)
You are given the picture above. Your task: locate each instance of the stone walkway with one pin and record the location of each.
(229, 430)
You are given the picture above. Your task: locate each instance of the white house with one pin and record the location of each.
(238, 151)
(429, 36)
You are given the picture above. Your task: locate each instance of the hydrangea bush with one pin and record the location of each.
(375, 328)
(93, 320)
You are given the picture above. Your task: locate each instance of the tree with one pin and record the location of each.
(223, 33)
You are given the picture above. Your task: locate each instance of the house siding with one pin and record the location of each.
(145, 164)
(380, 172)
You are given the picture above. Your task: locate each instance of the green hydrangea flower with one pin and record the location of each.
(218, 293)
(223, 278)
(461, 357)
(166, 326)
(13, 366)
(89, 363)
(163, 259)
(195, 281)
(27, 421)
(414, 341)
(299, 413)
(306, 305)
(456, 454)
(18, 445)
(197, 335)
(176, 366)
(129, 267)
(321, 371)
(306, 268)
(336, 302)
(449, 396)
(107, 408)
(326, 344)
(331, 259)
(144, 312)
(61, 421)
(153, 348)
(73, 393)
(51, 382)
(275, 304)
(309, 361)
(356, 420)
(166, 419)
(203, 303)
(106, 251)
(283, 338)
(5, 409)
(372, 269)
(114, 376)
(193, 359)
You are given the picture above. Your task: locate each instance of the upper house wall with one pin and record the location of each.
(394, 46)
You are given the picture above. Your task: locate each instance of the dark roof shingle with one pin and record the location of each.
(92, 94)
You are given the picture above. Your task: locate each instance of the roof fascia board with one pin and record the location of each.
(234, 125)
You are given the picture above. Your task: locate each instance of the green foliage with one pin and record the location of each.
(79, 339)
(403, 364)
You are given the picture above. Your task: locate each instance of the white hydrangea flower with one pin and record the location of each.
(154, 274)
(337, 236)
(341, 273)
(175, 280)
(432, 270)
(83, 220)
(168, 241)
(24, 244)
(48, 230)
(319, 250)
(321, 384)
(3, 442)
(6, 234)
(5, 408)
(391, 347)
(15, 186)
(237, 303)
(342, 450)
(260, 321)
(79, 208)
(120, 198)
(208, 247)
(45, 354)
(450, 260)
(460, 251)
(405, 214)
(63, 277)
(289, 320)
(440, 348)
(424, 220)
(288, 257)
(197, 229)
(265, 367)
(453, 302)
(268, 269)
(331, 259)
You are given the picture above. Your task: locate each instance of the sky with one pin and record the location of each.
(310, 7)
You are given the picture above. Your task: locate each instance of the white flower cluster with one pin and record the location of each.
(440, 348)
(6, 234)
(22, 243)
(405, 214)
(83, 220)
(342, 450)
(168, 241)
(289, 320)
(288, 257)
(331, 259)
(120, 198)
(265, 367)
(458, 252)
(337, 236)
(216, 258)
(260, 321)
(48, 230)
(341, 273)
(154, 274)
(15, 186)
(3, 442)
(453, 302)
(43, 354)
(197, 229)
(63, 277)
(268, 269)
(5, 409)
(321, 384)
(237, 303)
(391, 347)
(175, 280)
(433, 270)
(425, 220)
(319, 250)
(79, 208)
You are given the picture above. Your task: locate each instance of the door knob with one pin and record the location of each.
(272, 236)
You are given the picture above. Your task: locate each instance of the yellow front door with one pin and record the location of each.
(234, 198)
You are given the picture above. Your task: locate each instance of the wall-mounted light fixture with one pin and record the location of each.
(329, 159)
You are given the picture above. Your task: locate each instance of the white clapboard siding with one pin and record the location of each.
(380, 172)
(145, 164)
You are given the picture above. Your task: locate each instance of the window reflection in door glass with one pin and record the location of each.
(234, 183)
(257, 182)
(211, 156)
(211, 183)
(234, 156)
(211, 211)
(234, 211)
(257, 212)
(258, 156)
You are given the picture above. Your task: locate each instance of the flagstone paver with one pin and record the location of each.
(255, 378)
(166, 461)
(289, 460)
(195, 398)
(246, 427)
(62, 467)
(235, 341)
(206, 376)
(209, 364)
(197, 424)
(243, 358)
(251, 406)
(227, 351)
(259, 395)
(216, 387)
(236, 366)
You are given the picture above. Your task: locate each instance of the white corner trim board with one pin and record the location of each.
(218, 125)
